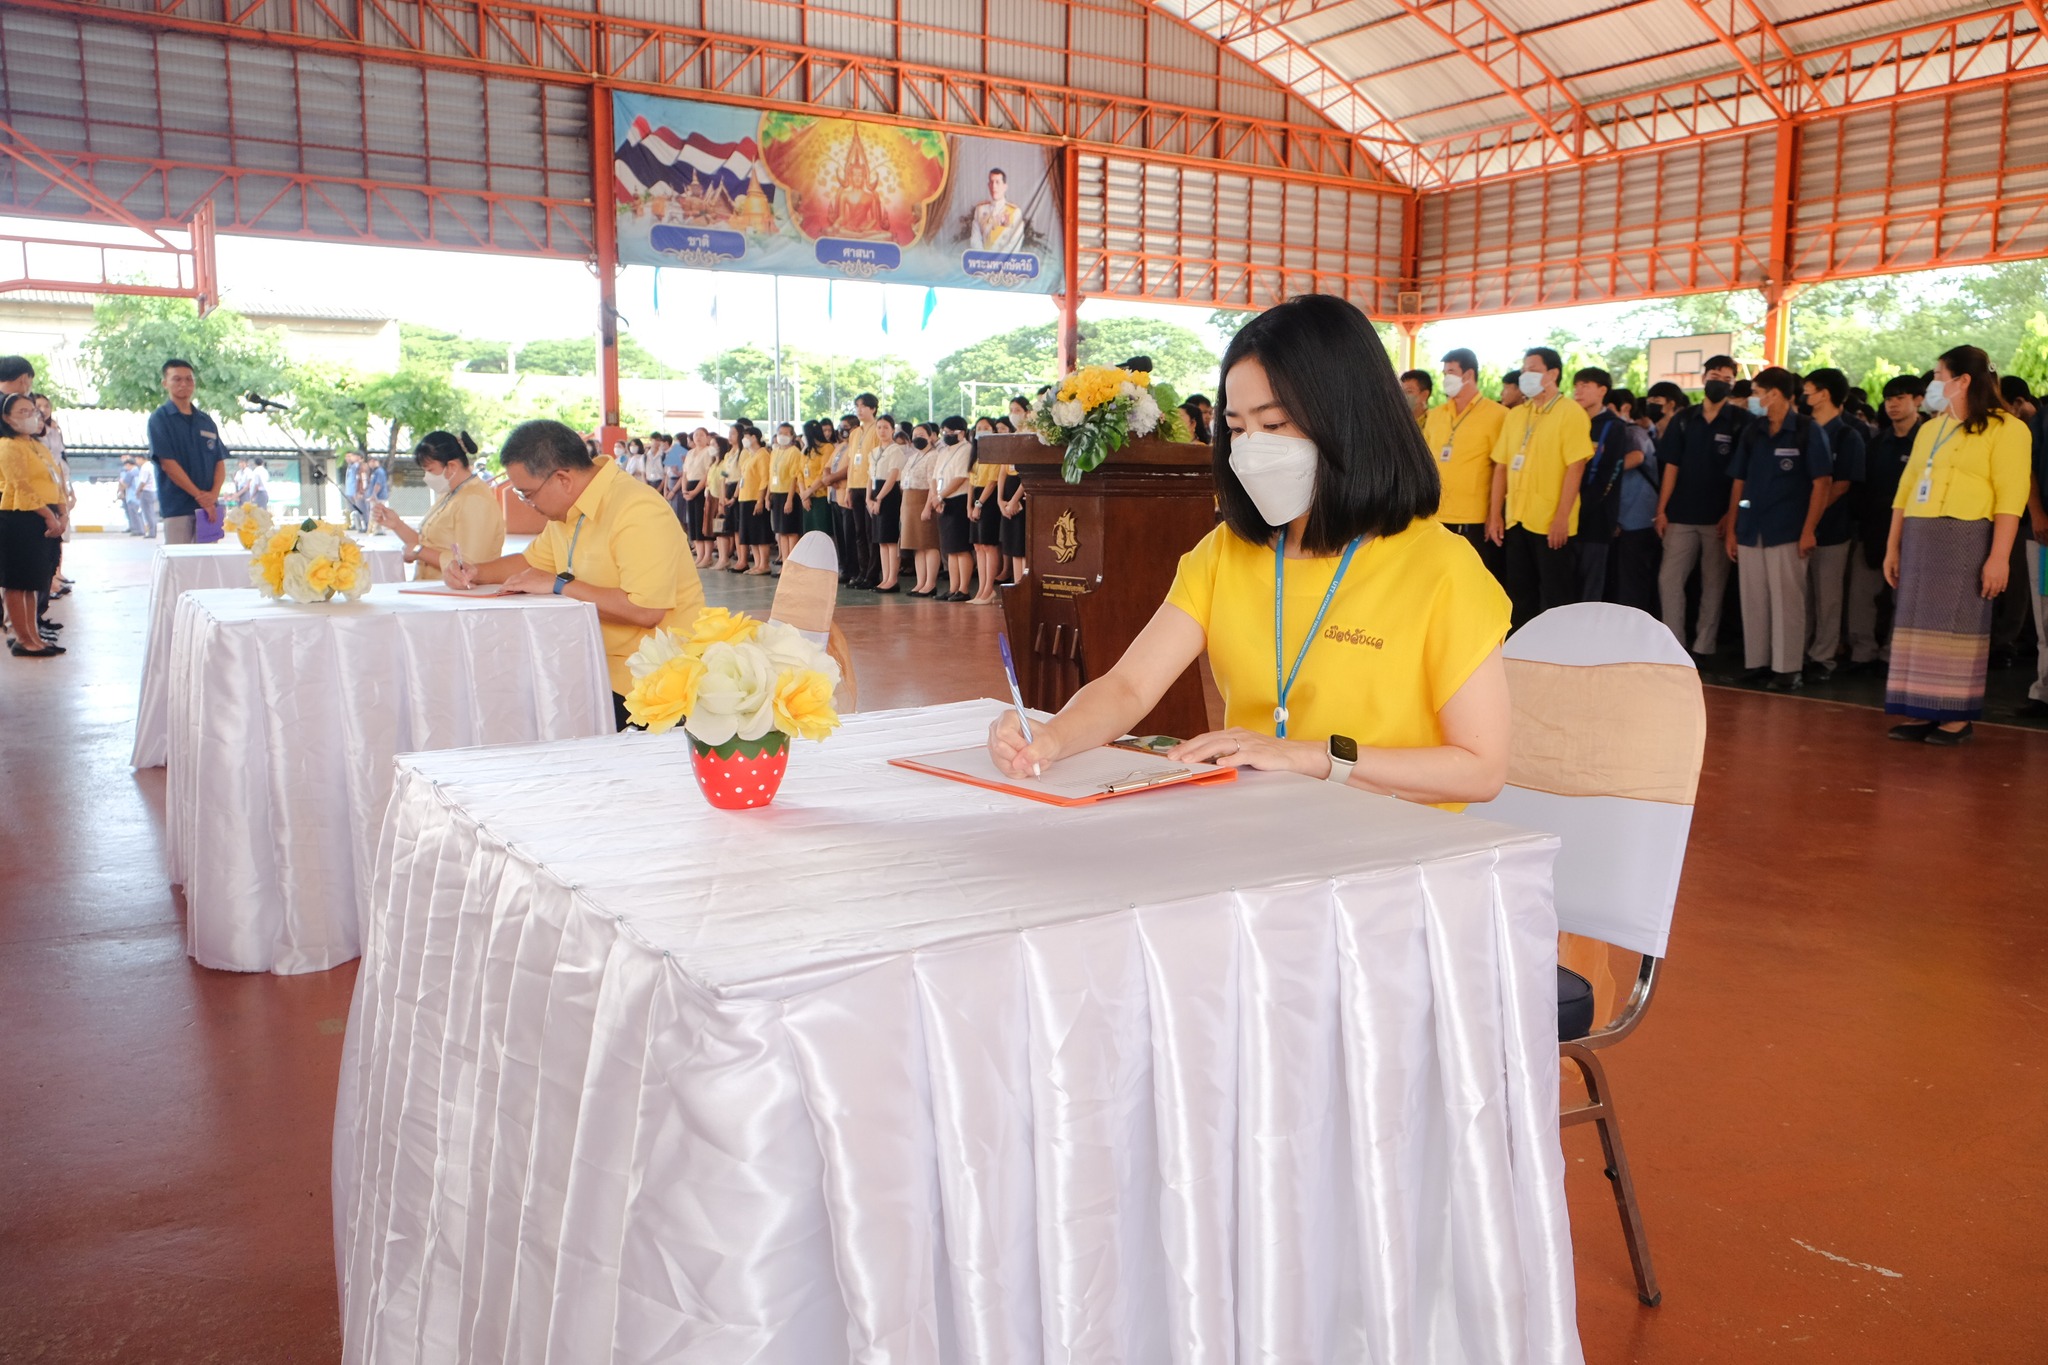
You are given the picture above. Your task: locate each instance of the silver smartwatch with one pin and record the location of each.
(1343, 754)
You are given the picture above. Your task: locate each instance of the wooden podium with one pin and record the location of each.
(1100, 555)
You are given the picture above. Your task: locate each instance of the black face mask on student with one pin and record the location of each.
(919, 442)
(1715, 390)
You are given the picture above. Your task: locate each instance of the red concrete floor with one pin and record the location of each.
(1842, 1075)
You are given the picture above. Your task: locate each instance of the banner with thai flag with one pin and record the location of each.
(713, 186)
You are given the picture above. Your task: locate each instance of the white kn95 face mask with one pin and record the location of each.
(1278, 473)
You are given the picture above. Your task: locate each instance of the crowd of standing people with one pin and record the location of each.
(1908, 539)
(36, 501)
(897, 498)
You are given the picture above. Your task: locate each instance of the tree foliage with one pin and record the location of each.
(1026, 357)
(578, 356)
(48, 385)
(442, 352)
(824, 383)
(132, 337)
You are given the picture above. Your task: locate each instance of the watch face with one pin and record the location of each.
(1343, 748)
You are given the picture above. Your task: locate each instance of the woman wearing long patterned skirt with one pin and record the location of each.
(1953, 523)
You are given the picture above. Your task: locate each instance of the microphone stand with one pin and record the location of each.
(309, 463)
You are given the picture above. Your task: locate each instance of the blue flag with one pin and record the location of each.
(657, 289)
(885, 310)
(828, 300)
(931, 301)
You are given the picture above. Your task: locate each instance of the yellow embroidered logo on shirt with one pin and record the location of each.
(1344, 635)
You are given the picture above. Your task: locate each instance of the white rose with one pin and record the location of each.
(295, 585)
(320, 545)
(656, 649)
(736, 693)
(1069, 412)
(789, 652)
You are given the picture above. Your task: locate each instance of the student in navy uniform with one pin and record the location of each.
(1827, 568)
(190, 457)
(1782, 477)
(1635, 553)
(1885, 457)
(1692, 508)
(1600, 490)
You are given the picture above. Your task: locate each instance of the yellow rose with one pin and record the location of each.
(246, 533)
(347, 579)
(351, 553)
(662, 698)
(803, 705)
(320, 573)
(717, 626)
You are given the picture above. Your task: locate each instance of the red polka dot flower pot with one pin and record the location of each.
(741, 774)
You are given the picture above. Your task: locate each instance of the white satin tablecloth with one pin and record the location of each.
(898, 1070)
(284, 720)
(183, 568)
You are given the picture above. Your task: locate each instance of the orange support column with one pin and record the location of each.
(604, 231)
(1069, 338)
(1777, 291)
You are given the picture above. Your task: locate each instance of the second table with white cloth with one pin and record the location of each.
(179, 569)
(285, 719)
(901, 1070)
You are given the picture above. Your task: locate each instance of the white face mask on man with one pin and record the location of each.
(1278, 473)
(1452, 385)
(1531, 384)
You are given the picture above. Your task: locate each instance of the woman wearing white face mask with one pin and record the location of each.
(1953, 523)
(1383, 668)
(465, 517)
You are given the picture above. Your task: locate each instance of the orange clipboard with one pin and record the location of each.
(1098, 775)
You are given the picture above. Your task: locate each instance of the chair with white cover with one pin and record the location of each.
(1609, 728)
(804, 599)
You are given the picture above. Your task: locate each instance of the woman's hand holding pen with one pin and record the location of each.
(1015, 758)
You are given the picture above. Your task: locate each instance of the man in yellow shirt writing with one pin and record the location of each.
(1533, 510)
(610, 541)
(1461, 434)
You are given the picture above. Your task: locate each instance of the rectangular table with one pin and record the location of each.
(285, 718)
(180, 569)
(898, 1070)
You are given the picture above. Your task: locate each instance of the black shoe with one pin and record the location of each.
(954, 597)
(46, 626)
(1754, 677)
(1913, 732)
(61, 593)
(1856, 668)
(893, 587)
(915, 593)
(47, 651)
(1820, 673)
(1785, 682)
(2030, 709)
(1948, 739)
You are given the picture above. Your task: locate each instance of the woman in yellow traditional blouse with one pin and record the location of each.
(1383, 670)
(1953, 522)
(466, 519)
(31, 522)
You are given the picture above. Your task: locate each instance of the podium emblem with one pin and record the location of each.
(1065, 542)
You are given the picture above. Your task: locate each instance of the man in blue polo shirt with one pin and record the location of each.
(1827, 568)
(1692, 505)
(1783, 478)
(190, 457)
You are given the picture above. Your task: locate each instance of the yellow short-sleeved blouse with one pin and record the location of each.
(1970, 476)
(468, 517)
(1416, 614)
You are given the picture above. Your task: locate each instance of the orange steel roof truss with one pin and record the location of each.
(1530, 115)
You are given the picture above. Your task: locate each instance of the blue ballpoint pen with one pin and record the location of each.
(1016, 689)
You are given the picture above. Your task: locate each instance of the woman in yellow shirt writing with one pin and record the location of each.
(31, 523)
(1953, 522)
(1352, 637)
(466, 519)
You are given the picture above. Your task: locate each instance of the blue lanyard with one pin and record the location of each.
(1927, 474)
(570, 567)
(1283, 686)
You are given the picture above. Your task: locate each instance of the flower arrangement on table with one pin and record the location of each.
(249, 524)
(741, 689)
(310, 561)
(1097, 409)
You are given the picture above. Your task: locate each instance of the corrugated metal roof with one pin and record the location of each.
(249, 303)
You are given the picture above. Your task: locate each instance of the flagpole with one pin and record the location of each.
(775, 399)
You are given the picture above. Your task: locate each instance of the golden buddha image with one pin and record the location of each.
(860, 181)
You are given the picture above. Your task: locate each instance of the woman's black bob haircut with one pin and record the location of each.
(1328, 369)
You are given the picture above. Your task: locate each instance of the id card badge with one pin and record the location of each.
(1926, 489)
(1516, 467)
(1444, 456)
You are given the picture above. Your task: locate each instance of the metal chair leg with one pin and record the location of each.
(1599, 1111)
